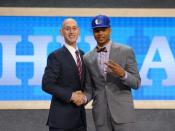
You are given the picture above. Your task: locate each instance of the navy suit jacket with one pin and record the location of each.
(60, 79)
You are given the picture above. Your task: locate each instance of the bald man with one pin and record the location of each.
(64, 80)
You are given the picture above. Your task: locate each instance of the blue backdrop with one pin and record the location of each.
(25, 43)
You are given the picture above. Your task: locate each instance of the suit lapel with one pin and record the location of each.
(83, 69)
(95, 63)
(113, 55)
(71, 60)
(114, 52)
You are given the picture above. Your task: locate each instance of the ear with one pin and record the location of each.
(61, 32)
(110, 30)
(78, 31)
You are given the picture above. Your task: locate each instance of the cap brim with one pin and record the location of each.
(100, 27)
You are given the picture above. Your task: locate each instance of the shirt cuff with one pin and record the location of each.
(85, 100)
(125, 77)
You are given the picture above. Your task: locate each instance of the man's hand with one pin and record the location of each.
(115, 68)
(78, 98)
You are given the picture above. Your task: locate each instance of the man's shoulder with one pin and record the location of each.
(121, 46)
(89, 53)
(57, 52)
(81, 52)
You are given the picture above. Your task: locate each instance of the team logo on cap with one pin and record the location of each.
(98, 21)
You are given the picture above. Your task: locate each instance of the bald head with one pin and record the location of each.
(70, 31)
(69, 21)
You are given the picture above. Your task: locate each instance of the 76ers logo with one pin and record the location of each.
(98, 21)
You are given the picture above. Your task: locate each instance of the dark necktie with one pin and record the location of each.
(101, 49)
(79, 66)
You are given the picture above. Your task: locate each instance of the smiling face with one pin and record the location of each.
(102, 35)
(70, 31)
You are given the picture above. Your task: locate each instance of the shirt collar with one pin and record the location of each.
(107, 45)
(70, 48)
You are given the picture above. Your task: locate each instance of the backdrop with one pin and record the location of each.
(26, 41)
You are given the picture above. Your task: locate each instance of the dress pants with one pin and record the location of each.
(111, 125)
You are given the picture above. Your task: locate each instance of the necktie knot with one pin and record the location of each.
(101, 49)
(77, 52)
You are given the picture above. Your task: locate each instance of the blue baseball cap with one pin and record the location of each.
(100, 21)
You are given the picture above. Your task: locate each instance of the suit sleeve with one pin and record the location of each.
(50, 77)
(88, 84)
(133, 79)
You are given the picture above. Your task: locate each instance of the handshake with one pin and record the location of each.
(78, 98)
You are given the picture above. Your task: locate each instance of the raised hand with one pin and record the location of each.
(115, 68)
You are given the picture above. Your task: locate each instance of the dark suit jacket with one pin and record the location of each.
(60, 79)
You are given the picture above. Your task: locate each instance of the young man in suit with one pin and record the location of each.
(111, 73)
(64, 79)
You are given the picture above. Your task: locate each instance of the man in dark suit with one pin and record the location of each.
(64, 79)
(111, 73)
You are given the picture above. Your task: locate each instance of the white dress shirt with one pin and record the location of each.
(72, 51)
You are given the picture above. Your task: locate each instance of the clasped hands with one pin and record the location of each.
(78, 98)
